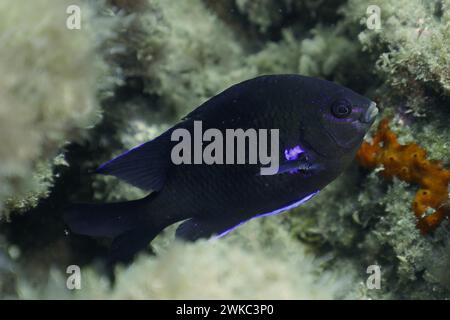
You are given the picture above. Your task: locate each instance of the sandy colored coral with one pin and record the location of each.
(47, 92)
(166, 57)
(408, 162)
(412, 47)
(224, 269)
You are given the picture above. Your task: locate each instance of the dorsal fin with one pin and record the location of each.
(144, 166)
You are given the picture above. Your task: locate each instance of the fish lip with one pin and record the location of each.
(370, 113)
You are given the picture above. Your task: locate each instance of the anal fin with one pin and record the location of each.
(125, 246)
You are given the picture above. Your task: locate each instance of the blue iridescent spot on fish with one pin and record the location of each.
(321, 126)
(292, 154)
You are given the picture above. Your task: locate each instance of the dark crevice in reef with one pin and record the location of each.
(246, 33)
(39, 229)
(284, 16)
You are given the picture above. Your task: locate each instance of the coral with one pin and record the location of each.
(409, 163)
(198, 55)
(170, 56)
(412, 47)
(164, 58)
(48, 94)
(373, 225)
(264, 14)
(270, 15)
(213, 270)
(324, 53)
(41, 182)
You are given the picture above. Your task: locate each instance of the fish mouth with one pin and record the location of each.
(370, 114)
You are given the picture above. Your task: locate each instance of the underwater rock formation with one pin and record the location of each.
(412, 48)
(48, 94)
(213, 270)
(153, 61)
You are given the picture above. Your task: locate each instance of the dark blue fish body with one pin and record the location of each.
(321, 126)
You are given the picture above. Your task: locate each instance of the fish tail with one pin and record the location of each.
(121, 221)
(102, 220)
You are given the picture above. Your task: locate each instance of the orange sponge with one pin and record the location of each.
(409, 163)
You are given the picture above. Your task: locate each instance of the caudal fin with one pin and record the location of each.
(122, 221)
(103, 220)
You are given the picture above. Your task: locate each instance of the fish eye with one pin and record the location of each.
(341, 108)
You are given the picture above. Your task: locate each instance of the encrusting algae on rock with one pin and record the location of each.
(144, 65)
(409, 163)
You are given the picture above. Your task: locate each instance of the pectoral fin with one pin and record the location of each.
(298, 166)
